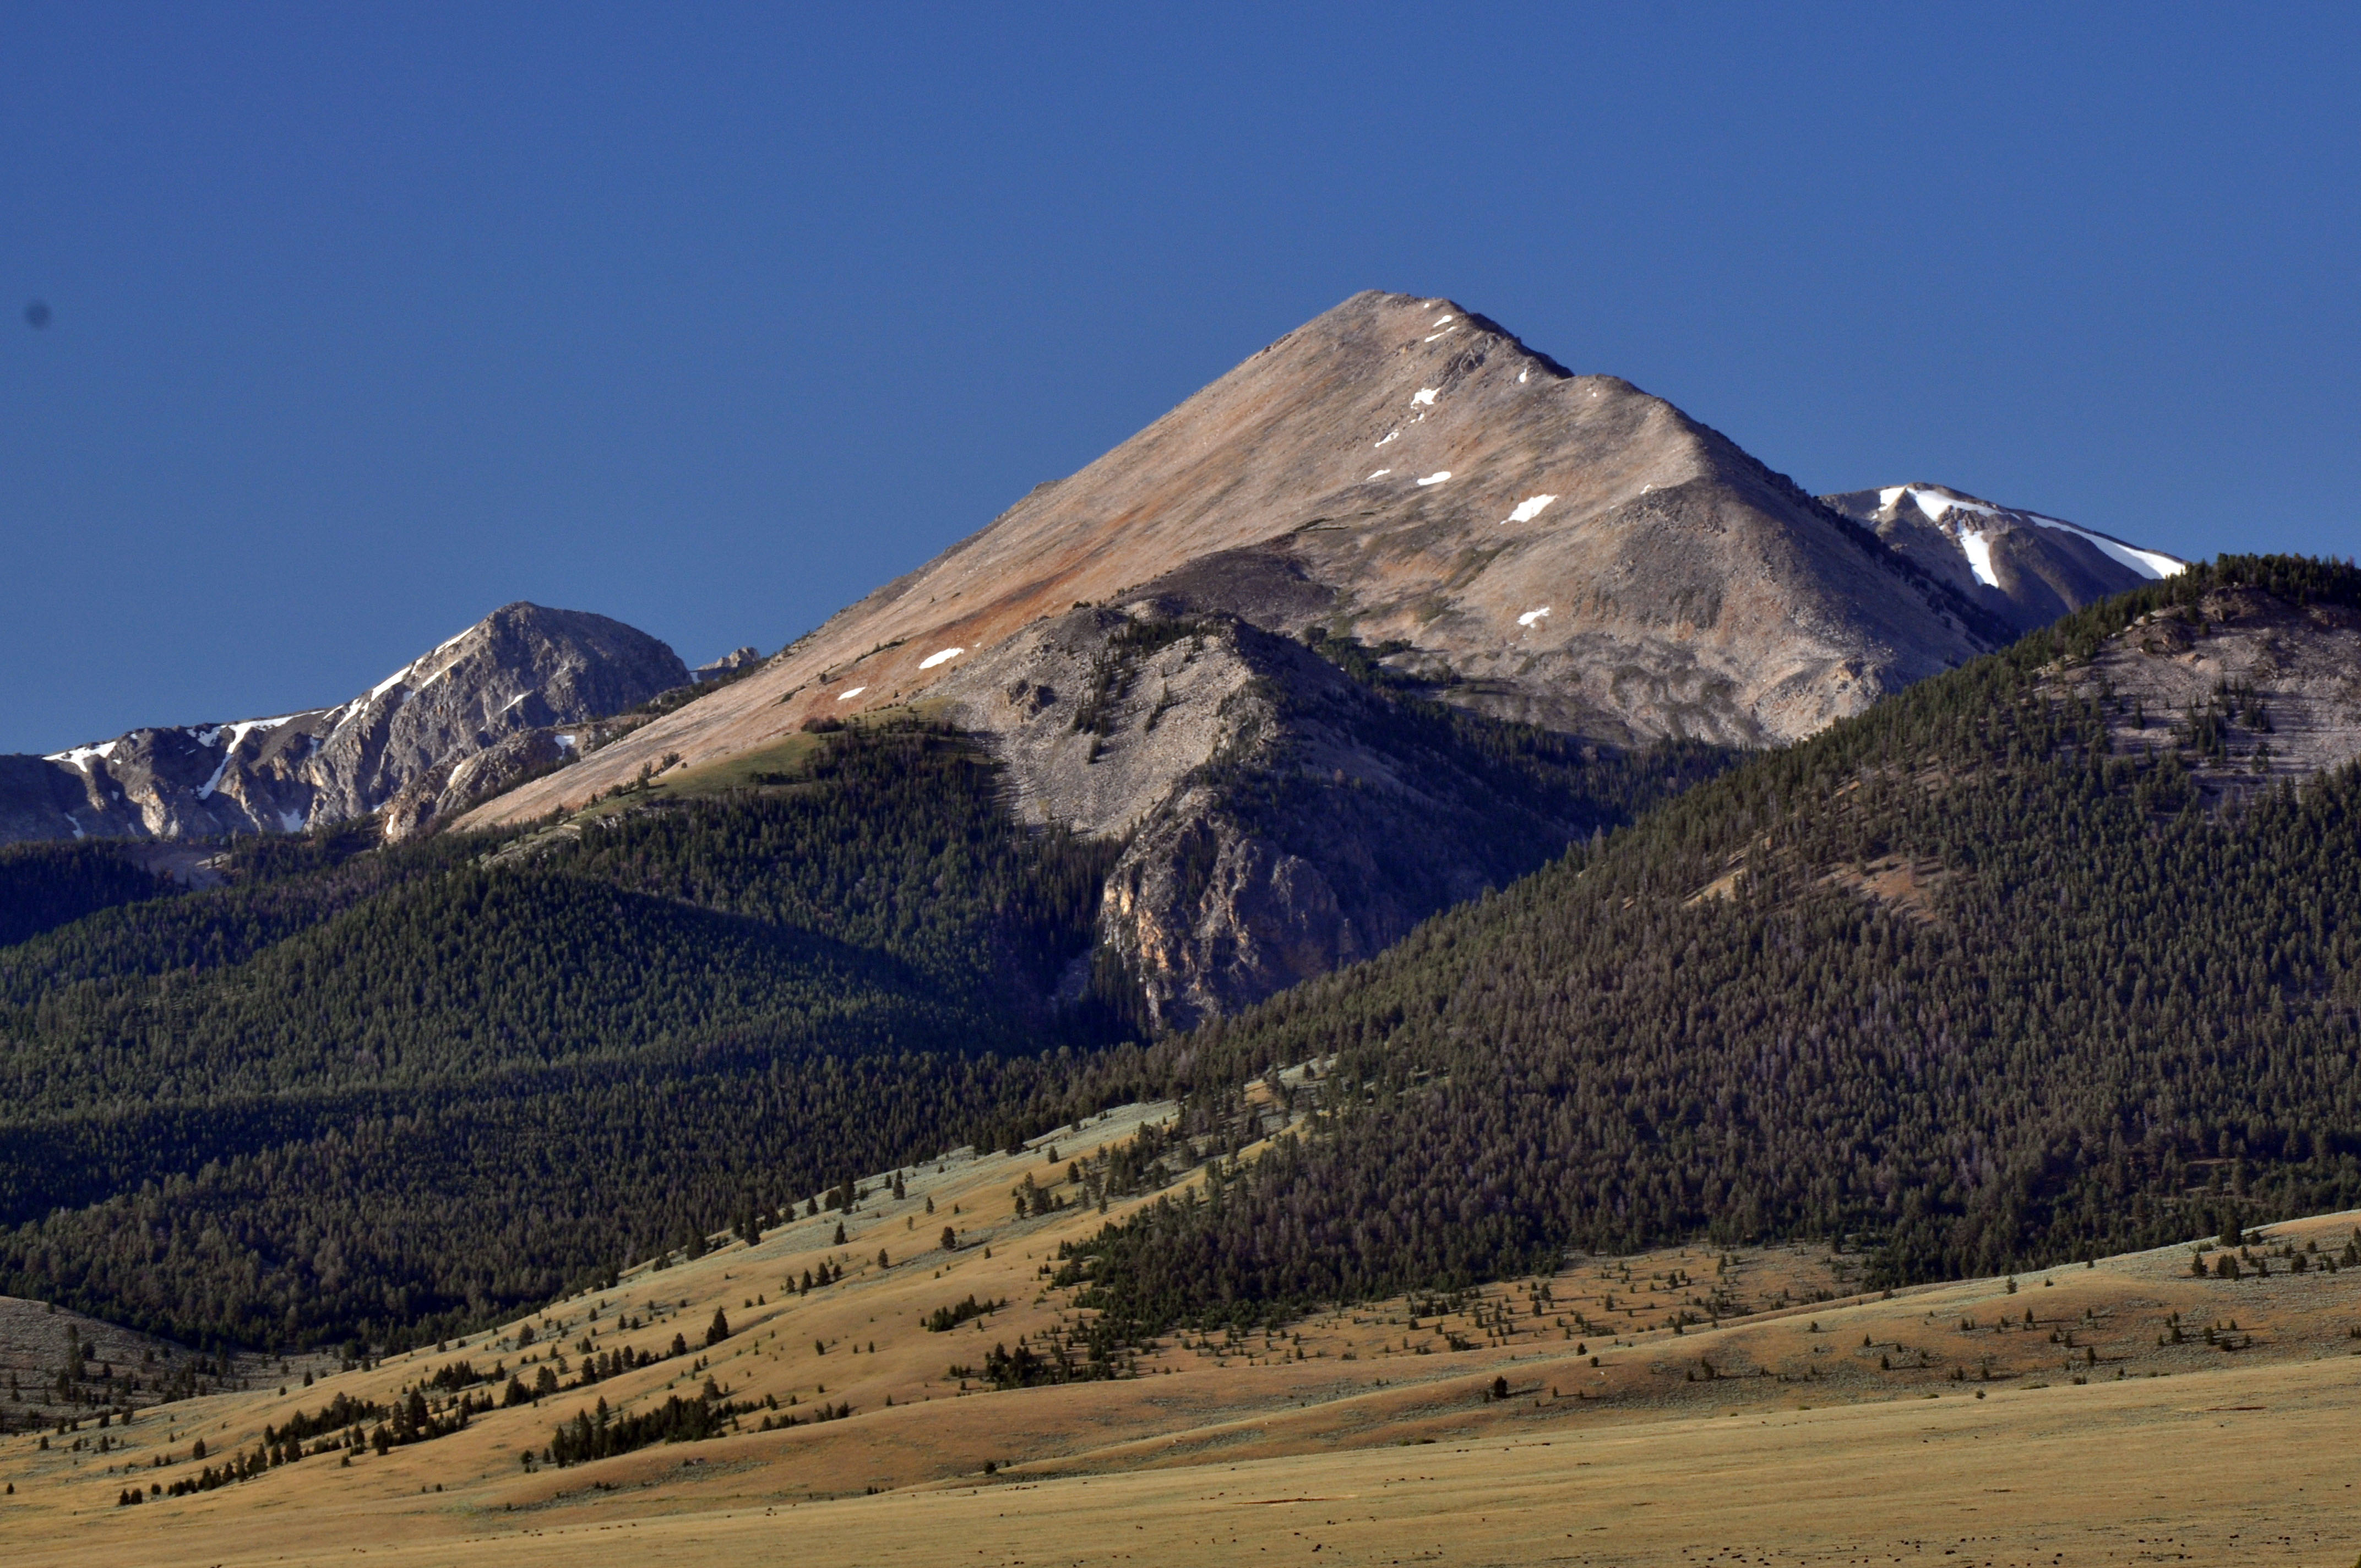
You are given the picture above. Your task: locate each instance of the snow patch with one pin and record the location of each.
(1935, 506)
(1977, 547)
(1378, 474)
(1425, 395)
(849, 693)
(1445, 332)
(566, 742)
(2152, 565)
(1437, 478)
(1531, 616)
(1520, 377)
(1440, 320)
(79, 756)
(291, 821)
(1528, 509)
(944, 657)
(1389, 436)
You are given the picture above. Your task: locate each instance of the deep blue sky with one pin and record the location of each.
(369, 319)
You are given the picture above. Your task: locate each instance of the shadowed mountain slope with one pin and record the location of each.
(363, 1086)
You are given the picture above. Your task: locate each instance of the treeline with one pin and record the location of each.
(2107, 1018)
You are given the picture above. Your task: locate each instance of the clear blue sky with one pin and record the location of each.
(367, 319)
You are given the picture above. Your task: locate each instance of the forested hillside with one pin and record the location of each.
(377, 1095)
(2012, 969)
(1963, 980)
(43, 887)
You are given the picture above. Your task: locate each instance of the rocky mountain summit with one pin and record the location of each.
(1564, 548)
(1405, 483)
(476, 714)
(2020, 566)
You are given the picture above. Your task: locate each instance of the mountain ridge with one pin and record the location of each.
(479, 708)
(1576, 553)
(2043, 955)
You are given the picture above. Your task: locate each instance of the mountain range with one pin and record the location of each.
(470, 716)
(1612, 843)
(1498, 555)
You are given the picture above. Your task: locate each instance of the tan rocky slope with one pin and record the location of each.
(1559, 548)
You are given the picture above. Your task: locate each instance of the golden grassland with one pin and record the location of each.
(1690, 1406)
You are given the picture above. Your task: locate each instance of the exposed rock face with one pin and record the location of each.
(735, 660)
(2020, 566)
(478, 713)
(2252, 689)
(450, 788)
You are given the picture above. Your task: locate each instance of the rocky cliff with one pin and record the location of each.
(473, 716)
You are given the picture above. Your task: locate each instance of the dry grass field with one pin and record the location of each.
(1691, 1405)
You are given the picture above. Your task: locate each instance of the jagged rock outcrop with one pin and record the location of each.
(450, 788)
(478, 714)
(1281, 817)
(2022, 567)
(728, 663)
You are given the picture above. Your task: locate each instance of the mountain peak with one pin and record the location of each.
(1555, 547)
(494, 690)
(2024, 566)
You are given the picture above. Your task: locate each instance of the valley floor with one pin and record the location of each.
(2126, 1412)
